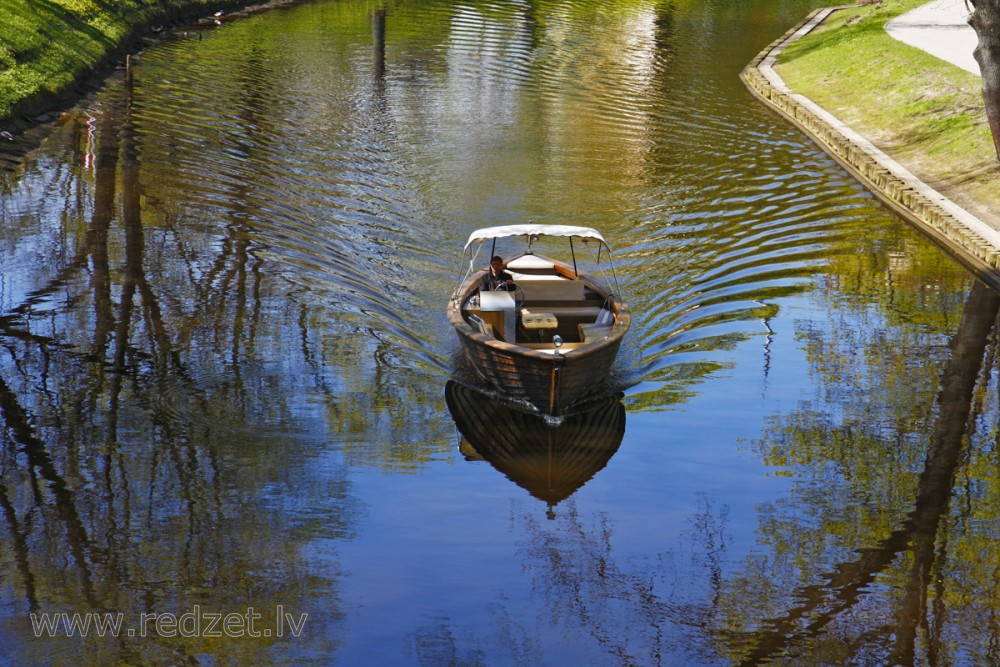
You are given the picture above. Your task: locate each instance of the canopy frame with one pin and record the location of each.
(532, 232)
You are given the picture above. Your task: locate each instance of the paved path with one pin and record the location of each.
(941, 29)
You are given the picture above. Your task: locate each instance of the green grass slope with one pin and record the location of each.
(47, 47)
(924, 112)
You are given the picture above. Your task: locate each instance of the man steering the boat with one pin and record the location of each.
(496, 279)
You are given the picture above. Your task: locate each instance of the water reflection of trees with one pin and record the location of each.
(881, 554)
(141, 466)
(839, 552)
(134, 477)
(615, 609)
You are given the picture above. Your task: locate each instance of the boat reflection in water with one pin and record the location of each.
(549, 462)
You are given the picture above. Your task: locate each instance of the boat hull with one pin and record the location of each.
(552, 383)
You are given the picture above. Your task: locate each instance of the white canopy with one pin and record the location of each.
(481, 235)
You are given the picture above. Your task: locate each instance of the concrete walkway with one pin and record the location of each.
(941, 29)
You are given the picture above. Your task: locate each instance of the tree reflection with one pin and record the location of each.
(838, 551)
(128, 483)
(835, 558)
(210, 320)
(630, 612)
(907, 559)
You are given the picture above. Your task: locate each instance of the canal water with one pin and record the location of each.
(232, 432)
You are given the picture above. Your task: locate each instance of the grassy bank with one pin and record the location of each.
(925, 113)
(49, 47)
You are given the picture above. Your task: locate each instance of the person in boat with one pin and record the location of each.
(496, 278)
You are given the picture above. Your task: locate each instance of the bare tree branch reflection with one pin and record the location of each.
(130, 479)
(820, 604)
(40, 462)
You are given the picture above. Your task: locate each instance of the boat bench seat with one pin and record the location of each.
(568, 316)
(572, 312)
(481, 325)
(570, 319)
(550, 287)
(590, 333)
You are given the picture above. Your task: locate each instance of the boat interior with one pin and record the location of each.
(550, 300)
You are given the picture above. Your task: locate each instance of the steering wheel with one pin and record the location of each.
(515, 288)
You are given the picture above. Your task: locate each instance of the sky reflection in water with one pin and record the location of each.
(225, 358)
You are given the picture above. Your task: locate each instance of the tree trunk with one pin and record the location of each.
(985, 19)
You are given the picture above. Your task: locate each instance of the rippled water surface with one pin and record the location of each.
(227, 379)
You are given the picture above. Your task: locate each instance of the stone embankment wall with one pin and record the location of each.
(969, 238)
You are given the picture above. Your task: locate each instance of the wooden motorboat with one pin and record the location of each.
(552, 337)
(551, 463)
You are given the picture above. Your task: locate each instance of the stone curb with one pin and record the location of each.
(969, 238)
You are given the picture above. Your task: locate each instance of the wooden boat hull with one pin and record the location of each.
(552, 382)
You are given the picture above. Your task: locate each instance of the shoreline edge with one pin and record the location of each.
(972, 241)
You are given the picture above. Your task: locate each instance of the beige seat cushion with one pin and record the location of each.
(529, 262)
(590, 333)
